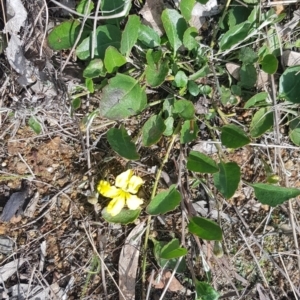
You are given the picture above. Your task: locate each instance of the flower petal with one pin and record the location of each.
(105, 189)
(115, 206)
(134, 184)
(123, 179)
(133, 202)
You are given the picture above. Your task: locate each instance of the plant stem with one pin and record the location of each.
(157, 177)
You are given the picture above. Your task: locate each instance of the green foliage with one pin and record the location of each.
(126, 216)
(94, 69)
(122, 97)
(120, 142)
(186, 7)
(273, 195)
(261, 122)
(205, 229)
(64, 35)
(35, 125)
(164, 202)
(227, 179)
(113, 59)
(233, 136)
(172, 250)
(202, 163)
(205, 291)
(153, 130)
(289, 83)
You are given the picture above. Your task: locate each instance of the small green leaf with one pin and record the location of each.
(185, 109)
(273, 195)
(89, 83)
(193, 88)
(35, 125)
(164, 202)
(125, 216)
(148, 36)
(120, 142)
(157, 68)
(81, 7)
(233, 136)
(106, 35)
(247, 55)
(200, 73)
(295, 136)
(65, 34)
(248, 76)
(257, 100)
(94, 69)
(169, 122)
(205, 291)
(235, 35)
(261, 122)
(186, 8)
(122, 98)
(205, 229)
(167, 263)
(113, 59)
(153, 130)
(188, 133)
(130, 34)
(227, 180)
(76, 103)
(189, 38)
(175, 26)
(289, 83)
(199, 162)
(180, 79)
(269, 63)
(172, 250)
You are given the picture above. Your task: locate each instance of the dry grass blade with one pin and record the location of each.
(128, 263)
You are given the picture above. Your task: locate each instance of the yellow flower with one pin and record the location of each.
(123, 193)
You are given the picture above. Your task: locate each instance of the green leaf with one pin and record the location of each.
(180, 79)
(188, 134)
(295, 136)
(113, 59)
(202, 1)
(111, 7)
(273, 195)
(199, 162)
(164, 202)
(186, 8)
(65, 34)
(247, 55)
(205, 291)
(166, 263)
(130, 34)
(169, 122)
(227, 180)
(205, 229)
(81, 7)
(289, 83)
(152, 130)
(106, 35)
(189, 38)
(121, 142)
(125, 216)
(175, 26)
(269, 64)
(172, 250)
(233, 136)
(248, 76)
(261, 122)
(200, 73)
(193, 88)
(122, 98)
(157, 68)
(258, 99)
(235, 35)
(89, 83)
(76, 103)
(148, 36)
(94, 69)
(35, 125)
(185, 109)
